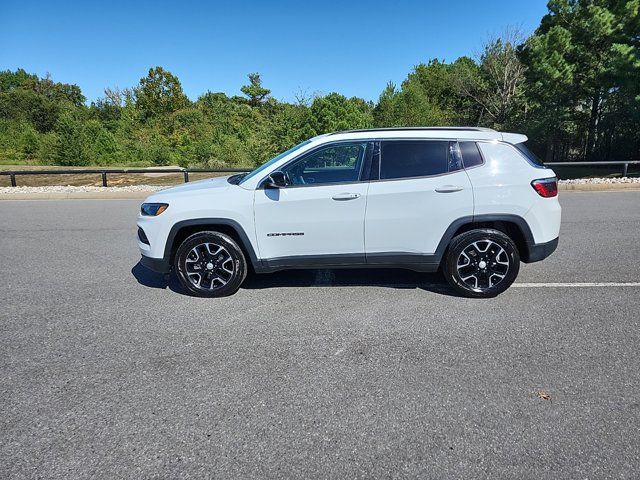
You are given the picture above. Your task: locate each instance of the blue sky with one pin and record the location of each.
(354, 48)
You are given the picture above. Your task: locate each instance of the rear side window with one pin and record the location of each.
(470, 154)
(410, 158)
(529, 155)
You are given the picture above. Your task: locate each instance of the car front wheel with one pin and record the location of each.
(481, 263)
(210, 264)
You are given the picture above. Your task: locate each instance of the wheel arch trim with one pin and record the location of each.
(520, 222)
(246, 244)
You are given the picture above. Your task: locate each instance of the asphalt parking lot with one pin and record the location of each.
(108, 372)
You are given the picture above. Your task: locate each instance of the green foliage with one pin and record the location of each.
(47, 150)
(429, 96)
(102, 145)
(289, 125)
(29, 140)
(27, 105)
(336, 112)
(255, 91)
(500, 89)
(581, 74)
(387, 111)
(10, 81)
(573, 87)
(71, 148)
(159, 93)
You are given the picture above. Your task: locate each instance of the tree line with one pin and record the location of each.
(573, 87)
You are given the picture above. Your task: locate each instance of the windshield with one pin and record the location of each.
(272, 161)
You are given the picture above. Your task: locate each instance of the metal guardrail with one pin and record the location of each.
(625, 165)
(186, 171)
(105, 172)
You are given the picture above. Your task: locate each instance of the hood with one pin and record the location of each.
(218, 185)
(209, 183)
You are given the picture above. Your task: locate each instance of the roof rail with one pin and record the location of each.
(392, 129)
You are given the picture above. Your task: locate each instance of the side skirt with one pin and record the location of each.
(415, 262)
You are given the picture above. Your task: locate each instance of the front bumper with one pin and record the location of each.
(540, 251)
(159, 265)
(150, 242)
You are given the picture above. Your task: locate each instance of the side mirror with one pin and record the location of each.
(277, 179)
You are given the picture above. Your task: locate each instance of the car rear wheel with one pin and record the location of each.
(210, 264)
(481, 263)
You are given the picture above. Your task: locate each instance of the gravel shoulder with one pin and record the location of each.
(59, 192)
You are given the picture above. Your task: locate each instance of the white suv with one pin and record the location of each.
(472, 202)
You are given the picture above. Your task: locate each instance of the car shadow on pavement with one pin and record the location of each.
(152, 279)
(362, 277)
(367, 277)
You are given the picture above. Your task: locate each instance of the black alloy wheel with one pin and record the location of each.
(481, 263)
(210, 264)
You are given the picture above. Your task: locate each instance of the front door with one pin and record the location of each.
(318, 217)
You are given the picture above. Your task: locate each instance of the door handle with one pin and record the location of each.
(449, 188)
(345, 196)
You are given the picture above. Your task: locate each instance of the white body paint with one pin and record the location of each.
(401, 216)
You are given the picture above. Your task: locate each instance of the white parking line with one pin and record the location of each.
(576, 284)
(329, 281)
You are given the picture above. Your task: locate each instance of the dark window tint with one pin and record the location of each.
(470, 154)
(331, 164)
(529, 155)
(402, 159)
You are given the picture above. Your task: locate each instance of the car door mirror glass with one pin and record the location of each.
(276, 179)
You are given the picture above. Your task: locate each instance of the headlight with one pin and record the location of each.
(153, 209)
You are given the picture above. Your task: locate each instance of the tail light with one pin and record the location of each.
(546, 187)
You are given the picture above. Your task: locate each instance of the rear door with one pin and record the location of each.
(318, 218)
(420, 191)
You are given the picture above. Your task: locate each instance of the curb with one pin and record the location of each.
(76, 196)
(598, 187)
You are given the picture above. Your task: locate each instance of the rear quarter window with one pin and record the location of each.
(471, 156)
(531, 157)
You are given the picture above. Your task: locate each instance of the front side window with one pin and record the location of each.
(335, 163)
(413, 158)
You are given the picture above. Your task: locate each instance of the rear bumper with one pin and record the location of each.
(540, 251)
(159, 265)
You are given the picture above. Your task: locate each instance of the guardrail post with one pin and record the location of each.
(186, 176)
(625, 170)
(104, 179)
(13, 180)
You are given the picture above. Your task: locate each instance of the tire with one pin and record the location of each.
(210, 264)
(481, 263)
